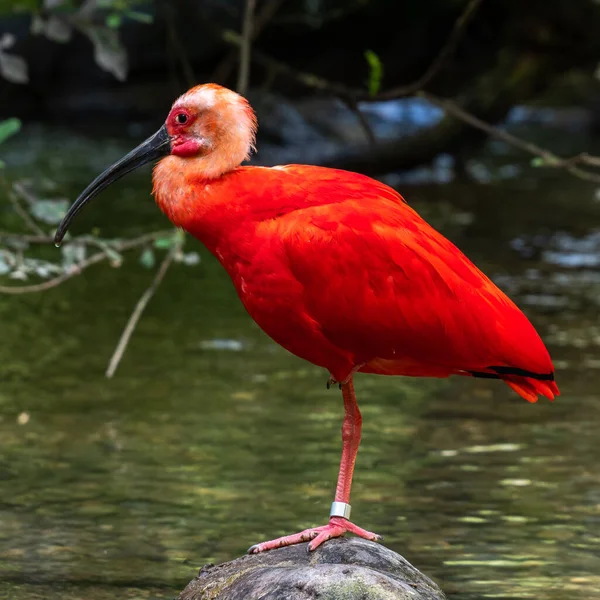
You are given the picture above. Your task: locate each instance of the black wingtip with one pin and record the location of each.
(500, 372)
(523, 373)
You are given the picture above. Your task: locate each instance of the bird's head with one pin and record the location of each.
(212, 122)
(209, 124)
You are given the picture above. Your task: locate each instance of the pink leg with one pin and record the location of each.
(337, 526)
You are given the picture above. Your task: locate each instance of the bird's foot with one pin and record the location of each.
(336, 527)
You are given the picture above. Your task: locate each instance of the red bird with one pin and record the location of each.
(332, 265)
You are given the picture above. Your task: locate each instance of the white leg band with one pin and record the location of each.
(340, 509)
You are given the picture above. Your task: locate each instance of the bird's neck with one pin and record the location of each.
(211, 209)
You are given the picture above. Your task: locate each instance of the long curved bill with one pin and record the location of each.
(153, 148)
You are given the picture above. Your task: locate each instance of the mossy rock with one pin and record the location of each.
(341, 569)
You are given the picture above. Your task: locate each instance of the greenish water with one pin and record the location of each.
(124, 488)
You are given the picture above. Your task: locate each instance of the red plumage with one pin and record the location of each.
(339, 270)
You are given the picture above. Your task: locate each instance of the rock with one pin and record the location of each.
(341, 569)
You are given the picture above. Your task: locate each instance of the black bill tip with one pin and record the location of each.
(155, 147)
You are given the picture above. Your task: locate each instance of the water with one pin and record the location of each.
(211, 438)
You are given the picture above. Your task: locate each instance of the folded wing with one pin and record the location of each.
(402, 298)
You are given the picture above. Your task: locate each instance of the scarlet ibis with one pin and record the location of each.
(334, 266)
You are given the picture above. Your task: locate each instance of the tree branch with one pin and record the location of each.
(549, 158)
(178, 47)
(457, 32)
(47, 285)
(451, 108)
(246, 47)
(364, 123)
(263, 16)
(139, 309)
(120, 246)
(25, 217)
(358, 94)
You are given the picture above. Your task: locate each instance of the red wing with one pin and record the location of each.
(384, 285)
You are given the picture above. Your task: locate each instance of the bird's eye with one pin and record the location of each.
(181, 118)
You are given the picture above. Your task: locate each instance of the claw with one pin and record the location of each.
(316, 536)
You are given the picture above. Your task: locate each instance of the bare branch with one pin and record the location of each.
(355, 108)
(263, 16)
(324, 17)
(246, 47)
(26, 218)
(139, 309)
(178, 47)
(549, 158)
(345, 92)
(46, 285)
(583, 159)
(446, 51)
(456, 111)
(357, 94)
(119, 246)
(308, 79)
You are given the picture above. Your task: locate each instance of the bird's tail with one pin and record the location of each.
(527, 384)
(530, 388)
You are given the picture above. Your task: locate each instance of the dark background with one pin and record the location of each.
(120, 62)
(484, 114)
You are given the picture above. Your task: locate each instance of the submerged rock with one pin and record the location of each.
(341, 569)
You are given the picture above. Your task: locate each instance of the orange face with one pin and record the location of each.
(210, 131)
(209, 118)
(186, 132)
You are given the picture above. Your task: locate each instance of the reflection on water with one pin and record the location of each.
(211, 438)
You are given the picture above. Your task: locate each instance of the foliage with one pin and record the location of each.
(39, 209)
(8, 127)
(375, 72)
(22, 253)
(98, 20)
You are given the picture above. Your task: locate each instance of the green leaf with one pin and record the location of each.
(9, 127)
(544, 161)
(163, 243)
(114, 20)
(375, 72)
(147, 258)
(141, 17)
